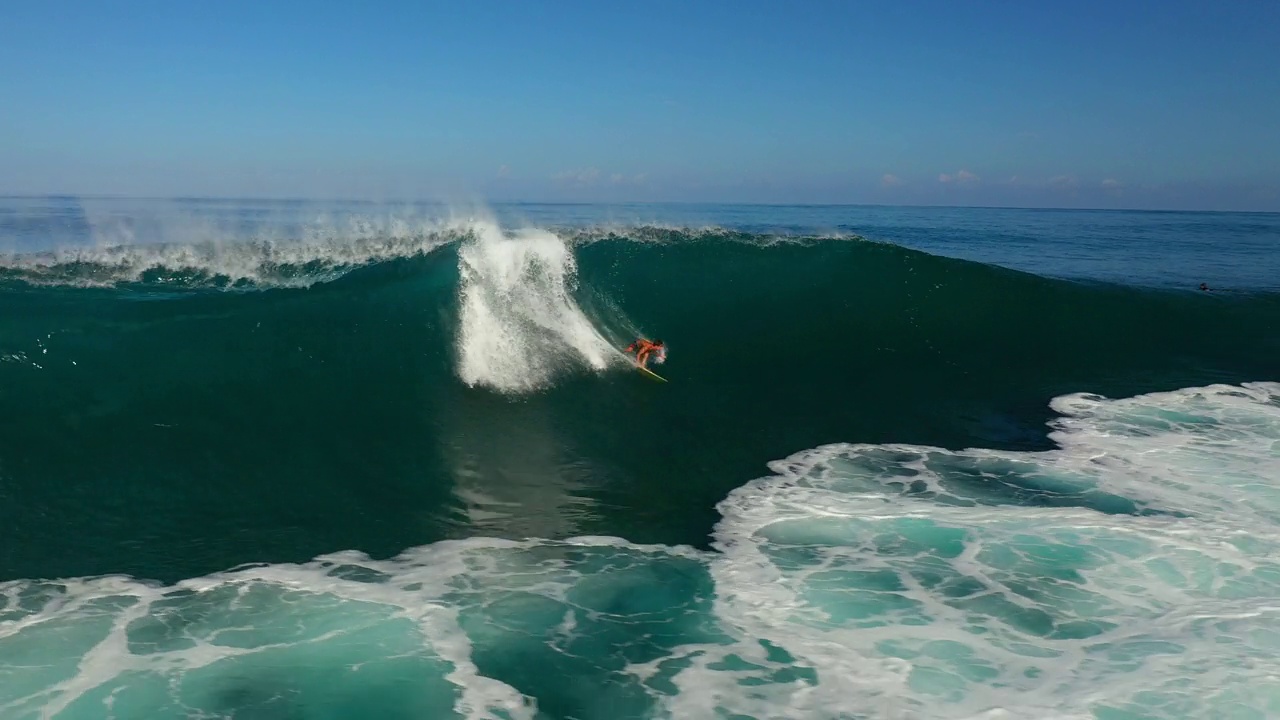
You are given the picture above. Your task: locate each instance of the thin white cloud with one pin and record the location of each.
(1064, 182)
(593, 177)
(890, 180)
(963, 177)
(504, 172)
(1112, 184)
(581, 177)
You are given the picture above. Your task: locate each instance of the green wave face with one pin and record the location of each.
(342, 408)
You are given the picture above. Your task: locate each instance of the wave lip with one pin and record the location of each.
(312, 254)
(658, 234)
(259, 263)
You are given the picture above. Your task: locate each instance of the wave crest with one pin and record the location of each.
(256, 264)
(312, 255)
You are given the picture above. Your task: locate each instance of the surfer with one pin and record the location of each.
(643, 348)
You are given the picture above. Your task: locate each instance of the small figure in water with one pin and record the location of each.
(1204, 287)
(643, 348)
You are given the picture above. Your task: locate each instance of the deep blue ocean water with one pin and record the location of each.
(285, 459)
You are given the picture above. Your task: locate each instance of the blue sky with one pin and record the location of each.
(1093, 104)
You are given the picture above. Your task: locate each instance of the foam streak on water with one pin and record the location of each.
(1132, 573)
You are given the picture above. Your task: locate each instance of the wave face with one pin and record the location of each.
(1131, 572)
(404, 469)
(489, 359)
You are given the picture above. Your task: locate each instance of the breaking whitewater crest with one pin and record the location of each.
(316, 255)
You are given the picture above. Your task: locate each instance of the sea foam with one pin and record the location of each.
(1130, 573)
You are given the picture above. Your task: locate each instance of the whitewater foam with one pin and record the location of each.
(519, 325)
(1130, 573)
(1074, 602)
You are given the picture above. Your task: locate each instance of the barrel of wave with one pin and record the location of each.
(519, 325)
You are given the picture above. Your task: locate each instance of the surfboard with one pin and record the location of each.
(651, 373)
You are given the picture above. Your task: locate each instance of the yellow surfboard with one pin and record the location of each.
(651, 373)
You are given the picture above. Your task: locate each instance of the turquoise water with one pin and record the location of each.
(310, 460)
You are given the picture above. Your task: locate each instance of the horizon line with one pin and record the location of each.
(587, 203)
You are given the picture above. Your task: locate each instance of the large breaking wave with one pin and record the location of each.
(1126, 571)
(529, 305)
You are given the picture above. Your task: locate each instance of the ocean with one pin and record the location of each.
(310, 460)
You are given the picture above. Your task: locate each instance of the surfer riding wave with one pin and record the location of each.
(644, 348)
